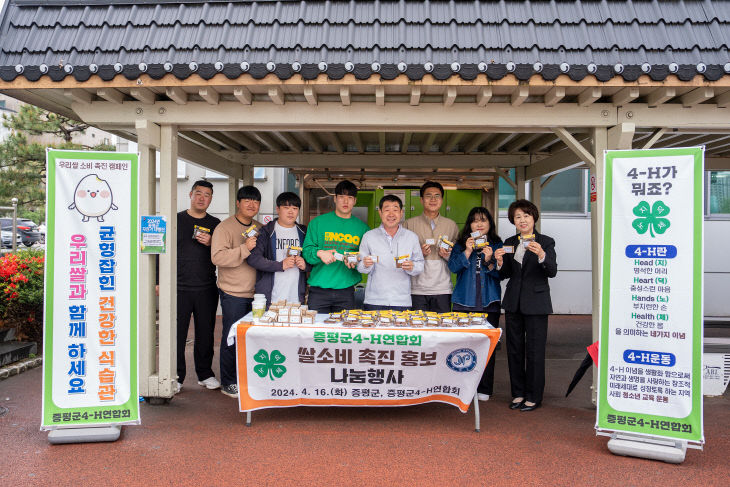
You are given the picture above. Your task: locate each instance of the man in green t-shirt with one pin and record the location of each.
(332, 280)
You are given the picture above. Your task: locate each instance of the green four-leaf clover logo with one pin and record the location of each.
(269, 364)
(651, 218)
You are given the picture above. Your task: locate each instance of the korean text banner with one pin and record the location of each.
(298, 366)
(650, 358)
(90, 330)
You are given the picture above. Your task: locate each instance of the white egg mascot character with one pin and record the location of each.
(93, 198)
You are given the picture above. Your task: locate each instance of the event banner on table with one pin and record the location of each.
(90, 329)
(650, 361)
(299, 366)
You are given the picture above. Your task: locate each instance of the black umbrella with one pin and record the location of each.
(584, 365)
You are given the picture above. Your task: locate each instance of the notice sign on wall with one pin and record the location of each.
(650, 362)
(90, 329)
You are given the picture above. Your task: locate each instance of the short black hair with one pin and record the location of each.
(347, 188)
(432, 184)
(390, 197)
(203, 183)
(288, 199)
(248, 193)
(526, 207)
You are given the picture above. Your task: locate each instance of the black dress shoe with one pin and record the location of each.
(526, 408)
(516, 405)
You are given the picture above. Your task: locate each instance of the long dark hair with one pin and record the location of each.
(466, 231)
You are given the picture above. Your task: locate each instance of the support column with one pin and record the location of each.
(167, 377)
(304, 195)
(536, 198)
(148, 138)
(600, 143)
(233, 184)
(619, 137)
(520, 190)
(495, 204)
(247, 175)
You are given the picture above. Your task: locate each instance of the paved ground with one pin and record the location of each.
(200, 439)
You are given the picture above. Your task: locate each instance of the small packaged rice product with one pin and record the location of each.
(445, 243)
(400, 259)
(481, 242)
(525, 240)
(197, 230)
(307, 319)
(433, 321)
(430, 241)
(374, 258)
(293, 251)
(295, 319)
(266, 320)
(338, 256)
(509, 249)
(352, 257)
(251, 231)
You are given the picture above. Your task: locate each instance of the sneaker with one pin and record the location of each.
(210, 383)
(230, 390)
(178, 387)
(483, 397)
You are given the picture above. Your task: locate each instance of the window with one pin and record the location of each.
(507, 193)
(565, 193)
(718, 194)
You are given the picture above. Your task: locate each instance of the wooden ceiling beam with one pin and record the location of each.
(177, 94)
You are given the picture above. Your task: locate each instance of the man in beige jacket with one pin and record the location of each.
(431, 290)
(233, 240)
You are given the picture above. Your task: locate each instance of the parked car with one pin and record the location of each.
(7, 239)
(27, 229)
(42, 230)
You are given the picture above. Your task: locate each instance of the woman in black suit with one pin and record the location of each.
(526, 303)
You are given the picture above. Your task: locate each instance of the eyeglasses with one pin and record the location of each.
(432, 197)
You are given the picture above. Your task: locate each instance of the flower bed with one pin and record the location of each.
(21, 293)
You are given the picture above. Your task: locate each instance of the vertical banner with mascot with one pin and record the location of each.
(90, 319)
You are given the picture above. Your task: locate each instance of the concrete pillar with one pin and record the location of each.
(247, 175)
(233, 185)
(167, 377)
(536, 198)
(304, 195)
(521, 190)
(148, 138)
(600, 143)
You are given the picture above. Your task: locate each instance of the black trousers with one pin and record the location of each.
(331, 300)
(438, 303)
(486, 383)
(202, 305)
(380, 307)
(526, 339)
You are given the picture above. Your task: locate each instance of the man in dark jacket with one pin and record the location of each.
(281, 272)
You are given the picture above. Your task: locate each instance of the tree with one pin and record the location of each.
(23, 160)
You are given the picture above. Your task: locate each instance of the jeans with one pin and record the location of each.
(234, 308)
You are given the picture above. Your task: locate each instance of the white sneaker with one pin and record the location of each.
(178, 387)
(483, 397)
(210, 383)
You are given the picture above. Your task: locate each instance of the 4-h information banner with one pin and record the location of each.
(337, 366)
(90, 331)
(650, 365)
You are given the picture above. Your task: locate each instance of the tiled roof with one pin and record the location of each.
(604, 38)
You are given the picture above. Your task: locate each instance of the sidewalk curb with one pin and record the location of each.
(19, 367)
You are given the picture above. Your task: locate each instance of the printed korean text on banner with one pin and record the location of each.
(90, 329)
(650, 360)
(317, 366)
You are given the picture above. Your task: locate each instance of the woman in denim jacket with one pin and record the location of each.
(477, 287)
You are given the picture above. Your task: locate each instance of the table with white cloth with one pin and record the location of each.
(328, 364)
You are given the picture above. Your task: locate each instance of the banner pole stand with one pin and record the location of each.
(248, 418)
(87, 434)
(665, 450)
(476, 412)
